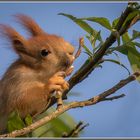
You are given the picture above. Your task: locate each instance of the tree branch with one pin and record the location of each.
(86, 69)
(71, 105)
(81, 74)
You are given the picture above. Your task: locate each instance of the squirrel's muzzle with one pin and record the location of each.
(67, 60)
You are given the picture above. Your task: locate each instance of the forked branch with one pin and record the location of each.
(86, 69)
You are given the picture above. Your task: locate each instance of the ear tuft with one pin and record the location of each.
(14, 37)
(31, 26)
(9, 32)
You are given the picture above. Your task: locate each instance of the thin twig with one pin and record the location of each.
(83, 127)
(71, 105)
(81, 42)
(74, 132)
(114, 97)
(78, 130)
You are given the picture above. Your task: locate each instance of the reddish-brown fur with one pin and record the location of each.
(29, 81)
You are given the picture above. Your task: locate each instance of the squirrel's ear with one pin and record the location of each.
(29, 24)
(18, 42)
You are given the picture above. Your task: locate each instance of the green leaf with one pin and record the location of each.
(127, 43)
(137, 44)
(135, 62)
(125, 49)
(81, 23)
(115, 22)
(125, 37)
(85, 26)
(87, 50)
(14, 122)
(133, 55)
(59, 127)
(92, 39)
(55, 128)
(95, 38)
(136, 34)
(118, 63)
(128, 49)
(121, 49)
(98, 46)
(100, 20)
(28, 120)
(133, 51)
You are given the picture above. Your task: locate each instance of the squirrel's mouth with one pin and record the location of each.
(68, 65)
(68, 68)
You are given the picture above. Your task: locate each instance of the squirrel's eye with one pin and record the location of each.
(44, 52)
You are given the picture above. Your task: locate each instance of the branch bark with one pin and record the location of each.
(71, 105)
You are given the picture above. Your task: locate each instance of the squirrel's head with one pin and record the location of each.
(42, 50)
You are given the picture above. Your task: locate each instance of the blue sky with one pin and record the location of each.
(119, 118)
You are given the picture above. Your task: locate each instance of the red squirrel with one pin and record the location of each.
(28, 83)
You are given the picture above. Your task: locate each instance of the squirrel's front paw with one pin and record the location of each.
(57, 83)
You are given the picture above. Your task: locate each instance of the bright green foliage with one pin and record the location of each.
(87, 51)
(133, 55)
(100, 20)
(115, 22)
(136, 34)
(15, 122)
(28, 120)
(117, 62)
(137, 44)
(85, 26)
(56, 127)
(93, 38)
(81, 23)
(128, 46)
